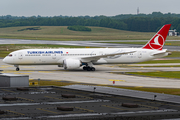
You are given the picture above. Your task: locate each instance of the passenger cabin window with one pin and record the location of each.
(10, 55)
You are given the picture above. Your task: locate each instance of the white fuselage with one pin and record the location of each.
(57, 56)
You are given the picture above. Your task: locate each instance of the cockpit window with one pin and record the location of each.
(10, 55)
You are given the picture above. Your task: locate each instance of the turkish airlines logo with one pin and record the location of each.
(157, 42)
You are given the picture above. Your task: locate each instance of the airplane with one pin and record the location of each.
(87, 57)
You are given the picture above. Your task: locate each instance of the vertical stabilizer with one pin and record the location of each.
(158, 40)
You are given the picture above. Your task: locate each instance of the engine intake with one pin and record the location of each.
(71, 63)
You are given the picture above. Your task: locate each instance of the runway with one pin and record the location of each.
(103, 75)
(98, 43)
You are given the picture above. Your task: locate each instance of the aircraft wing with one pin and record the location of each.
(97, 57)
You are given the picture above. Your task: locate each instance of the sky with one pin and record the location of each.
(86, 7)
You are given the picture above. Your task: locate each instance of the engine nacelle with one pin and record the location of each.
(71, 63)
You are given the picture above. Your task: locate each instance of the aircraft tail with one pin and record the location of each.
(158, 40)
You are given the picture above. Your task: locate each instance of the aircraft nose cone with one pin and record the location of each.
(4, 60)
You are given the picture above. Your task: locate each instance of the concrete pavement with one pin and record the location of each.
(103, 75)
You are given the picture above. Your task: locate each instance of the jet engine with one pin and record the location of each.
(71, 63)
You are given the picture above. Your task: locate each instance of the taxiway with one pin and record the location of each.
(104, 74)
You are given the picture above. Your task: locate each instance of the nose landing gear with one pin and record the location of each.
(17, 67)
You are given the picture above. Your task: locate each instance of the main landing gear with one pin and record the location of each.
(89, 68)
(17, 67)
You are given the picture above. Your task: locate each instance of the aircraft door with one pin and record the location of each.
(139, 54)
(20, 55)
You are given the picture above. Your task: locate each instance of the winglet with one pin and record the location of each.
(158, 40)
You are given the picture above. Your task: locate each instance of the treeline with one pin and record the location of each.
(67, 21)
(142, 22)
(78, 28)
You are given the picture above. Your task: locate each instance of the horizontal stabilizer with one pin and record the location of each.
(159, 52)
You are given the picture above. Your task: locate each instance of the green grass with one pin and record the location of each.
(172, 91)
(166, 74)
(160, 61)
(135, 42)
(174, 54)
(51, 83)
(64, 83)
(154, 66)
(169, 43)
(173, 43)
(62, 33)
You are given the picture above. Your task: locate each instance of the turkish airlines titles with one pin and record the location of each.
(44, 52)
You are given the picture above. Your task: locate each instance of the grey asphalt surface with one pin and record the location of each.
(104, 74)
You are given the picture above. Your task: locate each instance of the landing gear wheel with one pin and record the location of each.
(17, 69)
(88, 69)
(84, 68)
(93, 69)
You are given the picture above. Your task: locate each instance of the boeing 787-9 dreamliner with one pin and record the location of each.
(87, 57)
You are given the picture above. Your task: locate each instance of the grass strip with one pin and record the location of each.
(64, 83)
(172, 91)
(49, 83)
(168, 43)
(155, 66)
(165, 74)
(160, 61)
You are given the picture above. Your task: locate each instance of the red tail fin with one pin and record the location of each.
(158, 40)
